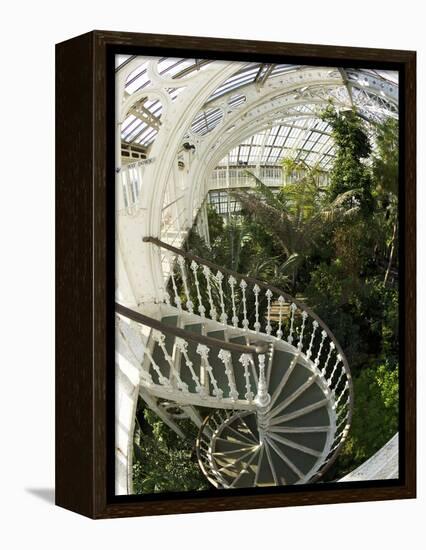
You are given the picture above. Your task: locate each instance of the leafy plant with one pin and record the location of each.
(375, 418)
(164, 462)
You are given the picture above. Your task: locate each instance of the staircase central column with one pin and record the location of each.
(262, 399)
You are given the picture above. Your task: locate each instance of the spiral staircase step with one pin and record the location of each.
(302, 460)
(280, 365)
(295, 434)
(318, 417)
(285, 471)
(298, 376)
(309, 396)
(315, 441)
(264, 476)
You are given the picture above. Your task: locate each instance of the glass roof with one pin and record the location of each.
(306, 140)
(299, 133)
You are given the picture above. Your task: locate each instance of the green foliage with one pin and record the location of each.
(385, 160)
(385, 164)
(164, 462)
(335, 246)
(349, 172)
(375, 418)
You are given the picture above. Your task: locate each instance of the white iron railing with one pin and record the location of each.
(164, 375)
(213, 292)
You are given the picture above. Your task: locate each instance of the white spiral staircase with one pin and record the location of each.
(276, 381)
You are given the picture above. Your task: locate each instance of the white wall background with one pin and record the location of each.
(28, 33)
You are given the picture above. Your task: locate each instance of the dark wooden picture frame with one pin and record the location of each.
(85, 274)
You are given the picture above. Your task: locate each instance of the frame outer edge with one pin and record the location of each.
(81, 279)
(410, 171)
(74, 384)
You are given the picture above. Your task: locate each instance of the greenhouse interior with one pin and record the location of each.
(257, 279)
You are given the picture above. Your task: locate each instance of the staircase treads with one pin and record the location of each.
(158, 355)
(311, 395)
(285, 475)
(248, 429)
(240, 381)
(231, 447)
(238, 471)
(280, 364)
(217, 364)
(313, 440)
(264, 476)
(251, 421)
(303, 461)
(297, 378)
(185, 373)
(319, 417)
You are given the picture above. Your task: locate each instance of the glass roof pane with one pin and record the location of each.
(287, 131)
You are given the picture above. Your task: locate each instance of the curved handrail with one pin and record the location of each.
(290, 299)
(257, 347)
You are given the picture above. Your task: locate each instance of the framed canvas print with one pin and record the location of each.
(235, 274)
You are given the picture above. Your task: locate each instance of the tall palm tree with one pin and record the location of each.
(295, 216)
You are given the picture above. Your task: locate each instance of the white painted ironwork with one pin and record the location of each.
(204, 351)
(243, 286)
(256, 291)
(268, 295)
(314, 329)
(281, 301)
(232, 282)
(182, 346)
(223, 315)
(225, 357)
(207, 275)
(245, 359)
(293, 309)
(201, 308)
(189, 304)
(161, 341)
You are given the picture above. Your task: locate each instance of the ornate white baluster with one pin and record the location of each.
(203, 351)
(341, 395)
(262, 399)
(344, 408)
(160, 339)
(338, 359)
(223, 316)
(207, 274)
(317, 359)
(182, 346)
(342, 372)
(281, 301)
(330, 351)
(201, 308)
(343, 421)
(302, 330)
(243, 286)
(178, 301)
(245, 360)
(268, 294)
(225, 357)
(293, 308)
(309, 352)
(256, 291)
(232, 282)
(162, 379)
(189, 304)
